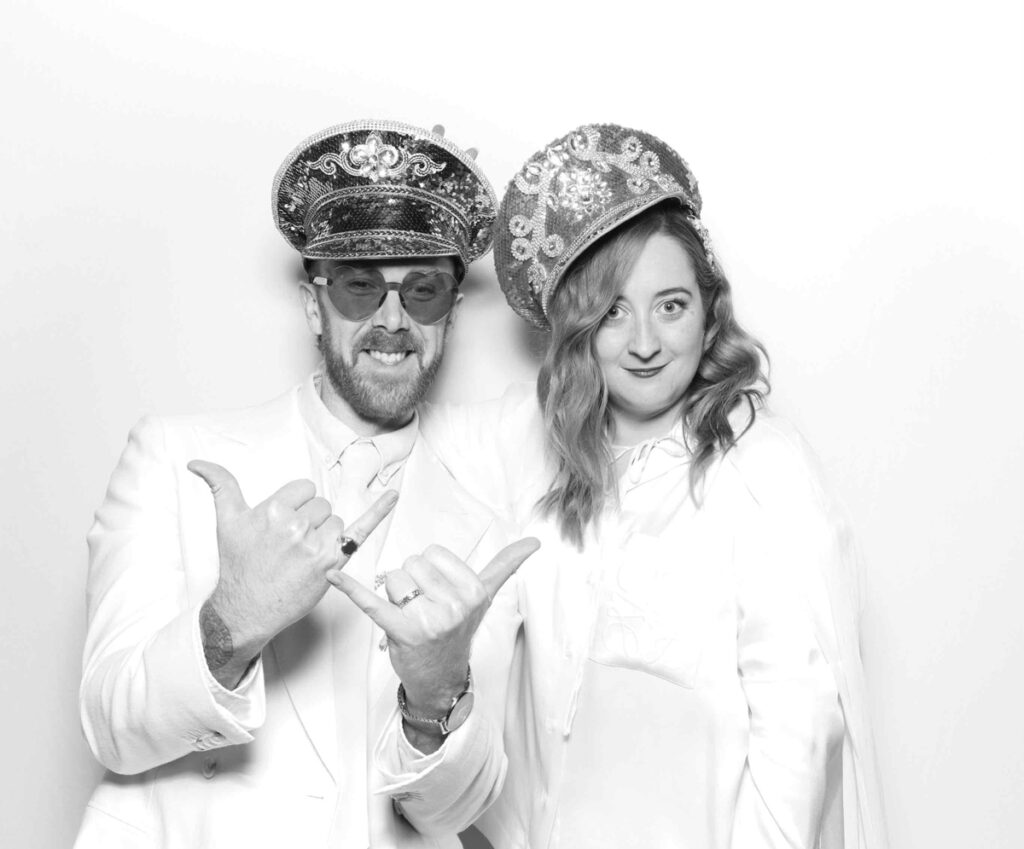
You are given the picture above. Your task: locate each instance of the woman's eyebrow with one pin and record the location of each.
(674, 290)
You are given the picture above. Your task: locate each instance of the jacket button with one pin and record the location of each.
(209, 767)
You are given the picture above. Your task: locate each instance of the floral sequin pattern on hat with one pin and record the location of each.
(572, 192)
(381, 189)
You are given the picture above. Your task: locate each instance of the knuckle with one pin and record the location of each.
(434, 631)
(278, 513)
(298, 528)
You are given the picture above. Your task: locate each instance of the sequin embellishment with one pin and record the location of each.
(375, 160)
(576, 190)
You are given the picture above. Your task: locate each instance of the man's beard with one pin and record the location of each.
(378, 399)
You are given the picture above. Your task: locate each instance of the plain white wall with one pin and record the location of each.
(862, 175)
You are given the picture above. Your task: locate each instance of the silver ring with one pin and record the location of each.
(347, 545)
(404, 600)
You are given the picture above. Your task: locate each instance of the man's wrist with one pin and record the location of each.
(440, 714)
(436, 696)
(227, 659)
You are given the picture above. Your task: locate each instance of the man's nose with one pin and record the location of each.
(645, 342)
(391, 315)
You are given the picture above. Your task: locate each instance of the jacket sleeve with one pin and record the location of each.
(147, 697)
(445, 792)
(795, 720)
(494, 449)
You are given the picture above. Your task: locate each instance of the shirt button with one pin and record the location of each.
(216, 737)
(209, 767)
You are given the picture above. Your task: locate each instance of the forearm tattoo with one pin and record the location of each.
(217, 644)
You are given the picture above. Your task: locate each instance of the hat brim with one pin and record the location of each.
(370, 245)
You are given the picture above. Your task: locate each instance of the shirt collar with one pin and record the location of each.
(332, 436)
(653, 457)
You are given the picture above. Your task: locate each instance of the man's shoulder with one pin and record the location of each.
(263, 422)
(242, 422)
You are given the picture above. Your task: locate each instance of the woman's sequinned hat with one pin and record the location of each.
(572, 192)
(383, 190)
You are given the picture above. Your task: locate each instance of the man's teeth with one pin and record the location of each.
(388, 358)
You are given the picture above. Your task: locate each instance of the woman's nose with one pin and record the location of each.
(645, 342)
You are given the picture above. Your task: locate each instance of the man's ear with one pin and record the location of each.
(311, 308)
(455, 308)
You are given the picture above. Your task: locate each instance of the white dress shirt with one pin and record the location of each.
(353, 472)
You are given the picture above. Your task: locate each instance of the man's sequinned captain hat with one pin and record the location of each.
(383, 190)
(571, 193)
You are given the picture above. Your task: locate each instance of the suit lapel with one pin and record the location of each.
(265, 453)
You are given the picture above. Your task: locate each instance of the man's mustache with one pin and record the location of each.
(377, 339)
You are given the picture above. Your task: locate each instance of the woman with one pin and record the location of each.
(687, 671)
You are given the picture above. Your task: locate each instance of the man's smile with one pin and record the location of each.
(388, 358)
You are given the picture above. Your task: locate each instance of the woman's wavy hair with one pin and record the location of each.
(572, 390)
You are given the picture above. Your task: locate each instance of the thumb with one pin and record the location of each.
(504, 564)
(227, 495)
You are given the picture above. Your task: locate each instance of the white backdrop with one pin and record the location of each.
(862, 174)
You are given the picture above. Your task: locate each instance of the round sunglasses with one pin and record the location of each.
(357, 293)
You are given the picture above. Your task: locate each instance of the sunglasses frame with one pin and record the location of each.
(391, 286)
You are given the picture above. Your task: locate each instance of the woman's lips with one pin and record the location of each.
(645, 372)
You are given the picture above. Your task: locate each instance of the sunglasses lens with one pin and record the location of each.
(356, 298)
(428, 297)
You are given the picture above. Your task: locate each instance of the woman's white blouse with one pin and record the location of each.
(678, 681)
(656, 755)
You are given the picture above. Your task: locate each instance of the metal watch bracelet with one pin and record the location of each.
(458, 712)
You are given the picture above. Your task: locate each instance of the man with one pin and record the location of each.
(233, 700)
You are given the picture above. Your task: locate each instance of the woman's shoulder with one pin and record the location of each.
(772, 460)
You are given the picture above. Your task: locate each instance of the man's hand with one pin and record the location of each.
(436, 604)
(274, 562)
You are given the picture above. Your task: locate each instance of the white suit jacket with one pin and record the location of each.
(185, 770)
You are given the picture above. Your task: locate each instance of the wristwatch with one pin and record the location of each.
(458, 713)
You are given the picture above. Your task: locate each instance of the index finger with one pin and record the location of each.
(380, 610)
(295, 493)
(504, 564)
(362, 527)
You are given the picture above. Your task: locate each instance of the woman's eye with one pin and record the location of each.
(673, 307)
(614, 313)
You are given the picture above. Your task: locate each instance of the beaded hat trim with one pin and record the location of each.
(573, 191)
(381, 190)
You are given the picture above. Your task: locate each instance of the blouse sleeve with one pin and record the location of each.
(795, 718)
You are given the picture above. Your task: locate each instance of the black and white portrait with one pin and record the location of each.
(513, 426)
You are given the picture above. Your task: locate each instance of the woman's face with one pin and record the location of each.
(651, 340)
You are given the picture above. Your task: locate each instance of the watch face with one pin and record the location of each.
(460, 711)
